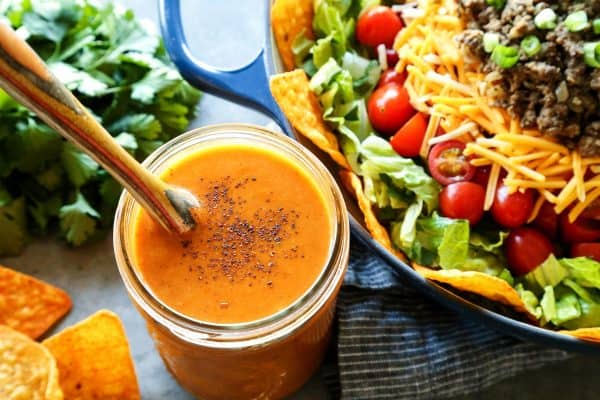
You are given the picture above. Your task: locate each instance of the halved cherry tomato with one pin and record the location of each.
(389, 108)
(448, 164)
(463, 200)
(511, 210)
(591, 250)
(547, 220)
(378, 25)
(525, 249)
(392, 58)
(407, 141)
(391, 75)
(579, 231)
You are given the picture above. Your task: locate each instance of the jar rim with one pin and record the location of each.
(270, 328)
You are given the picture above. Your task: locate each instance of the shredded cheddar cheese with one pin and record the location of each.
(449, 86)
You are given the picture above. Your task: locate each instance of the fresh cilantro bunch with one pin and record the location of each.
(118, 68)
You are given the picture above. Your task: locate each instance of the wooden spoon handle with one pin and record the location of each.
(25, 76)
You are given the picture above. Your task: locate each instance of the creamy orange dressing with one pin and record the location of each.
(262, 240)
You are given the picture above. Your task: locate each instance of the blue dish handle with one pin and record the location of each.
(248, 85)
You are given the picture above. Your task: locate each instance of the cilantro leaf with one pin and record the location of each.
(5, 197)
(32, 145)
(37, 25)
(42, 212)
(80, 167)
(118, 67)
(13, 224)
(78, 220)
(147, 147)
(155, 81)
(76, 80)
(127, 141)
(51, 178)
(143, 126)
(110, 191)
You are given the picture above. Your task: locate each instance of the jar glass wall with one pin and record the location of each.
(267, 358)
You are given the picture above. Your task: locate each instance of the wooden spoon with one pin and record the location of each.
(25, 76)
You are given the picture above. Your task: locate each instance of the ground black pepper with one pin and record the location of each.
(243, 248)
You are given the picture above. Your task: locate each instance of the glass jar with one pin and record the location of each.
(268, 358)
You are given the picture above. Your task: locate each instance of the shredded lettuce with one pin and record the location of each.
(408, 227)
(341, 76)
(567, 308)
(548, 303)
(320, 81)
(380, 161)
(452, 244)
(558, 305)
(583, 270)
(569, 290)
(454, 247)
(549, 273)
(530, 299)
(301, 47)
(585, 294)
(336, 31)
(590, 316)
(429, 235)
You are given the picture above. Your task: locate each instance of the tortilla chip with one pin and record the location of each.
(590, 334)
(29, 305)
(94, 360)
(353, 184)
(300, 105)
(27, 369)
(488, 286)
(288, 19)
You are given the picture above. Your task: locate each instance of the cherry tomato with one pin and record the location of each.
(463, 200)
(582, 230)
(378, 25)
(547, 220)
(389, 108)
(448, 164)
(591, 250)
(511, 210)
(592, 211)
(482, 175)
(391, 75)
(525, 249)
(391, 57)
(407, 141)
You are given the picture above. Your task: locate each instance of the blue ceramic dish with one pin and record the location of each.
(249, 86)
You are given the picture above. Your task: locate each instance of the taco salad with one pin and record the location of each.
(469, 133)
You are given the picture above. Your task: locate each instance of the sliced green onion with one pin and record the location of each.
(576, 21)
(497, 4)
(596, 26)
(591, 54)
(505, 56)
(490, 41)
(546, 19)
(531, 45)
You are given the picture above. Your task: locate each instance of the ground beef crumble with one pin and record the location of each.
(554, 90)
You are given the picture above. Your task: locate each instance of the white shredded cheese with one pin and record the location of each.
(432, 59)
(447, 80)
(382, 56)
(399, 8)
(469, 127)
(412, 13)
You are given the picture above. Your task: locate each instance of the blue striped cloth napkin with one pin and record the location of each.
(394, 343)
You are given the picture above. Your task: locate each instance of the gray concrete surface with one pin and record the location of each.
(227, 34)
